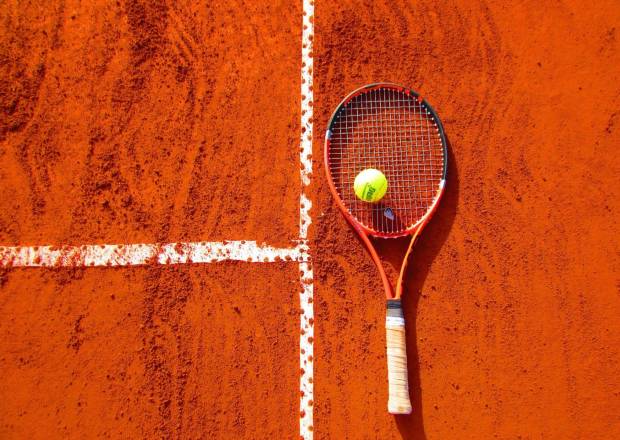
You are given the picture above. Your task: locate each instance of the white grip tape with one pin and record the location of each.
(394, 322)
(398, 400)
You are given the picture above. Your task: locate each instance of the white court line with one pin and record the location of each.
(306, 297)
(111, 255)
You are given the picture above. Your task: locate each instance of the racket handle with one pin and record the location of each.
(398, 400)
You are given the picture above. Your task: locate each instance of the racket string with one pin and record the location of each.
(392, 131)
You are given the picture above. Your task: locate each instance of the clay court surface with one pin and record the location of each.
(181, 122)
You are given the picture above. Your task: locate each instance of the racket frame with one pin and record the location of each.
(365, 231)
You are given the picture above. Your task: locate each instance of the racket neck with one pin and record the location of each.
(389, 293)
(403, 267)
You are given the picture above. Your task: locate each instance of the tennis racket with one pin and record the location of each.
(392, 129)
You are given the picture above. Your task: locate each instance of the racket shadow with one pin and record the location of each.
(426, 249)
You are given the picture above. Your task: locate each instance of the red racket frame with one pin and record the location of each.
(364, 231)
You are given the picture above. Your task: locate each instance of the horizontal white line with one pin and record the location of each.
(149, 253)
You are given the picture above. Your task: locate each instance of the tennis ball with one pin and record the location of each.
(370, 185)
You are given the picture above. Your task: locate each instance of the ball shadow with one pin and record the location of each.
(428, 246)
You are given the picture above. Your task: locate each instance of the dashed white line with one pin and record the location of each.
(306, 297)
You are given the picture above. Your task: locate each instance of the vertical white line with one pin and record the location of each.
(306, 352)
(306, 295)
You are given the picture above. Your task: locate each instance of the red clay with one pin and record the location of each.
(150, 121)
(131, 122)
(512, 298)
(151, 352)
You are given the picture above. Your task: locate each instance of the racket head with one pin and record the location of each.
(391, 128)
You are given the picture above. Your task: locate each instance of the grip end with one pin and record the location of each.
(399, 408)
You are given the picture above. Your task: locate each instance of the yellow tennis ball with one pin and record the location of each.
(370, 185)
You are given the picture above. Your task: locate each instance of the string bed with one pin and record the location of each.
(393, 132)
